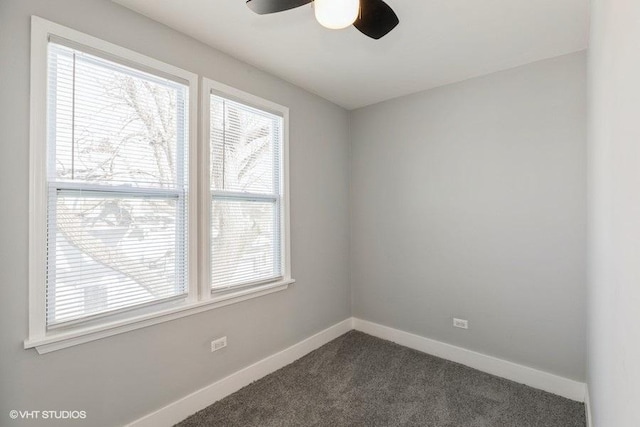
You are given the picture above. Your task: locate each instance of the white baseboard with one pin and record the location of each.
(587, 406)
(188, 405)
(561, 386)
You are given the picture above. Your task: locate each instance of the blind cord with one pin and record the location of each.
(73, 118)
(224, 141)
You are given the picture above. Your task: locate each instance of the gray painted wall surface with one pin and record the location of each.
(121, 378)
(470, 201)
(467, 200)
(613, 372)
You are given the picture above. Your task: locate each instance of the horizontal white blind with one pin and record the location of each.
(246, 145)
(117, 175)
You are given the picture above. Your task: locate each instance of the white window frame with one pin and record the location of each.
(199, 297)
(210, 87)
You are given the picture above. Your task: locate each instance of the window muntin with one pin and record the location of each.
(246, 190)
(117, 174)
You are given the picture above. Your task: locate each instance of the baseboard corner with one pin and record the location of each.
(587, 406)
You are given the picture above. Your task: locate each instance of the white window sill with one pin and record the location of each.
(63, 339)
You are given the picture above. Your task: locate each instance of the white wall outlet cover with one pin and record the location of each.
(218, 344)
(460, 323)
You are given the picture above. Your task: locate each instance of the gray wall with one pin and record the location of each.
(470, 200)
(614, 222)
(467, 200)
(124, 377)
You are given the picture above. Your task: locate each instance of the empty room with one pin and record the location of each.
(320, 213)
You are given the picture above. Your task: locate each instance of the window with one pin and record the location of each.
(246, 190)
(117, 179)
(120, 236)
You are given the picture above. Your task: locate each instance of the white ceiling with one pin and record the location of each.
(437, 42)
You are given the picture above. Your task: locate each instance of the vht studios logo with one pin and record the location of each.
(47, 415)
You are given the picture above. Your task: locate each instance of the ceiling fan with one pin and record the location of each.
(374, 18)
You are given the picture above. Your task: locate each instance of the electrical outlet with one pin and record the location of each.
(218, 344)
(460, 323)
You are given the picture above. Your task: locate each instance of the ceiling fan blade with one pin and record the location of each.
(376, 18)
(263, 7)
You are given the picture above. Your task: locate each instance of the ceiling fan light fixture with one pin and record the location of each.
(336, 14)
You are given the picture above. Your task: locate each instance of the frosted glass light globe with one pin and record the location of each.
(336, 14)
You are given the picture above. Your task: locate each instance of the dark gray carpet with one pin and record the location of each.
(359, 380)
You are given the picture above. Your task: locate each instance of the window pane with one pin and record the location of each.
(246, 183)
(244, 242)
(112, 252)
(245, 147)
(117, 172)
(113, 124)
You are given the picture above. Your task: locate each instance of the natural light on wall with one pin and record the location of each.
(336, 14)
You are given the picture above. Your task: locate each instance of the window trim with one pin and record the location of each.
(196, 301)
(209, 87)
